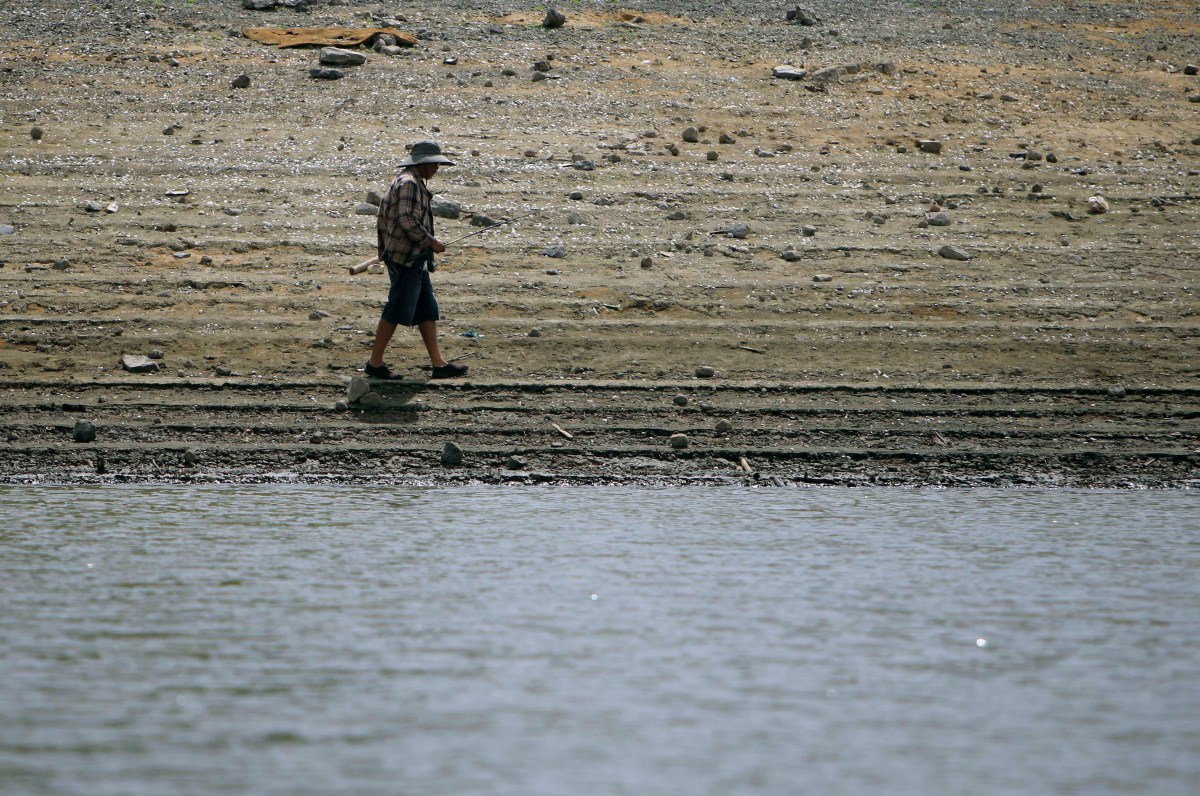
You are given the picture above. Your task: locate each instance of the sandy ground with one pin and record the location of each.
(164, 212)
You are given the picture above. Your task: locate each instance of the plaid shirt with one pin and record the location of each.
(405, 226)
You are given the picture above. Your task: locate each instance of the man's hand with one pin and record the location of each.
(437, 247)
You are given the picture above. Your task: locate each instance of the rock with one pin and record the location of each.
(535, 332)
(576, 218)
(156, 354)
(763, 153)
(317, 315)
(136, 363)
(326, 74)
(371, 400)
(705, 372)
(366, 209)
(802, 16)
(515, 462)
(1191, 69)
(808, 230)
(480, 220)
(738, 231)
(822, 278)
(374, 197)
(190, 457)
(680, 400)
(584, 165)
(954, 253)
(556, 250)
(335, 56)
(1097, 205)
(445, 208)
(790, 254)
(724, 425)
(61, 265)
(783, 73)
(541, 66)
(36, 134)
(691, 135)
(885, 67)
(6, 229)
(575, 196)
(940, 219)
(1194, 98)
(452, 455)
(259, 5)
(223, 370)
(647, 262)
(678, 215)
(85, 431)
(932, 147)
(830, 74)
(554, 19)
(391, 49)
(357, 388)
(1116, 392)
(712, 156)
(678, 441)
(241, 81)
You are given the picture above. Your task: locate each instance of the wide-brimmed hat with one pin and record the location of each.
(426, 152)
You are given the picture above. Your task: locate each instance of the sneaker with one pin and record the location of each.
(449, 371)
(382, 373)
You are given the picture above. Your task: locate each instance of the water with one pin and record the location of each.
(329, 640)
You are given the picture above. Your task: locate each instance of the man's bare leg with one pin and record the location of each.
(428, 330)
(383, 336)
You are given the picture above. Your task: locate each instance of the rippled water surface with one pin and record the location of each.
(327, 640)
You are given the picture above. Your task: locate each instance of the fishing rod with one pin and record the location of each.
(358, 269)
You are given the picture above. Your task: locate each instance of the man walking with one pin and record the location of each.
(406, 246)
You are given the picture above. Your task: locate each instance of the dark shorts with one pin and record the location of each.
(410, 300)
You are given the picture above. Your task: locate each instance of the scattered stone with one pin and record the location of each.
(372, 400)
(223, 371)
(317, 315)
(1116, 392)
(190, 457)
(181, 255)
(1008, 98)
(705, 372)
(680, 400)
(790, 254)
(335, 56)
(678, 441)
(85, 431)
(1191, 69)
(647, 262)
(36, 134)
(575, 218)
(691, 135)
(1097, 205)
(763, 153)
(515, 462)
(374, 197)
(712, 156)
(784, 73)
(535, 332)
(556, 250)
(808, 230)
(575, 196)
(678, 215)
(939, 219)
(584, 165)
(1065, 215)
(357, 388)
(61, 265)
(241, 81)
(541, 66)
(259, 5)
(932, 147)
(954, 253)
(452, 455)
(6, 229)
(554, 19)
(822, 278)
(136, 363)
(724, 425)
(445, 208)
(326, 74)
(93, 207)
(156, 354)
(366, 209)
